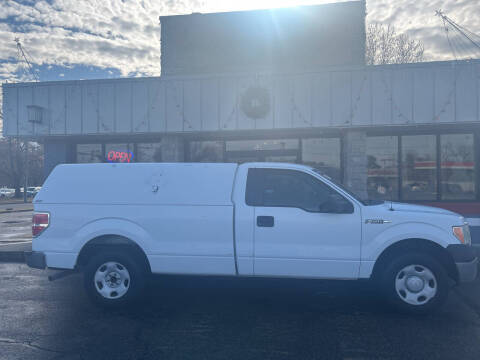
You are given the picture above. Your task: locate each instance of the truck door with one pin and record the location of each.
(303, 227)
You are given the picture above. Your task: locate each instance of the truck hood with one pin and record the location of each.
(418, 209)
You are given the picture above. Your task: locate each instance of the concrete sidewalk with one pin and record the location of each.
(15, 207)
(14, 252)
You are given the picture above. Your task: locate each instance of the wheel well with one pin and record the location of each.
(416, 245)
(106, 242)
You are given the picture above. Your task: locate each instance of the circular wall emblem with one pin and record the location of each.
(255, 102)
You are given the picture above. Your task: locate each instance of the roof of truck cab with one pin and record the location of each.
(275, 165)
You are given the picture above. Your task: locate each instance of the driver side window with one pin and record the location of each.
(289, 188)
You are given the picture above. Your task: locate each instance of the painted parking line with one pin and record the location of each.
(17, 242)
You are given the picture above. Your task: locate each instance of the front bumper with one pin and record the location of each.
(35, 259)
(466, 261)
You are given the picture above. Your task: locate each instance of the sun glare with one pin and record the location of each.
(229, 5)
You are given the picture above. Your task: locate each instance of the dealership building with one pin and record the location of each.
(286, 85)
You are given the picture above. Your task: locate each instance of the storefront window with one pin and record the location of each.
(259, 145)
(382, 167)
(206, 151)
(278, 150)
(149, 152)
(323, 154)
(457, 167)
(89, 153)
(419, 167)
(119, 153)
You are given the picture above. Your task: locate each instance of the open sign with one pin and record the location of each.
(120, 156)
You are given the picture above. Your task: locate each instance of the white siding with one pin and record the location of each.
(90, 108)
(283, 100)
(410, 94)
(25, 98)
(244, 122)
(106, 109)
(321, 102)
(361, 98)
(341, 98)
(423, 96)
(140, 106)
(40, 98)
(192, 100)
(57, 106)
(302, 102)
(156, 105)
(466, 94)
(73, 110)
(123, 107)
(209, 112)
(174, 106)
(402, 97)
(10, 102)
(228, 103)
(381, 97)
(444, 95)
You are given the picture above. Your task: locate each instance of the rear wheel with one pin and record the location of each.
(415, 283)
(114, 278)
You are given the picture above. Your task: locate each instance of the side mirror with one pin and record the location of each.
(336, 204)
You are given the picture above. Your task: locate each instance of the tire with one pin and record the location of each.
(414, 283)
(114, 278)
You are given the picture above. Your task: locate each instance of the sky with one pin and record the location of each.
(84, 39)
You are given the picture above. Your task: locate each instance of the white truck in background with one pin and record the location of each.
(126, 221)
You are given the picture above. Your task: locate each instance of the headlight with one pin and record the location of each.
(462, 233)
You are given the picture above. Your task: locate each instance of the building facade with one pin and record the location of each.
(407, 132)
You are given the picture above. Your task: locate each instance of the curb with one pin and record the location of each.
(14, 211)
(12, 257)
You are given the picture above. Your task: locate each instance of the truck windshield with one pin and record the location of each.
(364, 201)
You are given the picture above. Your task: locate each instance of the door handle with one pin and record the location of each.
(265, 221)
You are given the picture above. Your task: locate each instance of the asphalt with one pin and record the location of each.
(6, 206)
(15, 231)
(219, 318)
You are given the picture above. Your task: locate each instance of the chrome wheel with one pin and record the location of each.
(112, 280)
(416, 284)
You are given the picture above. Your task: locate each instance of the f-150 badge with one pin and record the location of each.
(377, 221)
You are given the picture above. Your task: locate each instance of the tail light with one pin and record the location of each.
(40, 222)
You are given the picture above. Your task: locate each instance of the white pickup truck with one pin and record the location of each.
(126, 221)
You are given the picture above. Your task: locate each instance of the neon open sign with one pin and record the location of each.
(120, 156)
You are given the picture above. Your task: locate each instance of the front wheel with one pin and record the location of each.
(415, 283)
(114, 278)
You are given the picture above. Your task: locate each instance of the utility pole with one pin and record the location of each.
(470, 37)
(28, 69)
(25, 183)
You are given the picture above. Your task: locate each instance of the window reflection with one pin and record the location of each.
(457, 166)
(149, 152)
(245, 145)
(382, 167)
(419, 167)
(89, 153)
(323, 154)
(206, 151)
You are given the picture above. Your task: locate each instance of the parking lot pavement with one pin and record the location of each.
(15, 227)
(212, 318)
(15, 206)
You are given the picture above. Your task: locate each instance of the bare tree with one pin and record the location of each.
(385, 46)
(15, 160)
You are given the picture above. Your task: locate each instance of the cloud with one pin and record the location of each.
(126, 34)
(418, 20)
